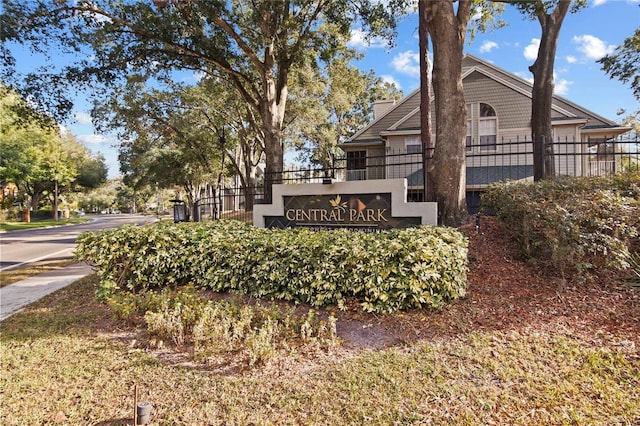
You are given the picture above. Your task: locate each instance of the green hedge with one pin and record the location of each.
(571, 225)
(386, 271)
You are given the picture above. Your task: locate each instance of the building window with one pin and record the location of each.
(413, 144)
(356, 165)
(487, 128)
(356, 160)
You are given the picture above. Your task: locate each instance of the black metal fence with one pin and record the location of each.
(486, 163)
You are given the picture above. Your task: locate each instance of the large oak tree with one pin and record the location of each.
(446, 24)
(252, 44)
(550, 15)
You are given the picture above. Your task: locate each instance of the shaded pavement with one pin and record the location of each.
(14, 297)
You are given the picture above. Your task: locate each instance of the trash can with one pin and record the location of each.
(26, 216)
(179, 211)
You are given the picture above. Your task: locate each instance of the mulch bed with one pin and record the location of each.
(505, 293)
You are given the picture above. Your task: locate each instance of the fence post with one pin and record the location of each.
(538, 159)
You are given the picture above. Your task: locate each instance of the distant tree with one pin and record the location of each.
(631, 119)
(91, 169)
(330, 104)
(624, 65)
(101, 198)
(176, 146)
(33, 157)
(92, 172)
(185, 135)
(38, 157)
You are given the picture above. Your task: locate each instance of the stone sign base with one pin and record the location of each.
(367, 205)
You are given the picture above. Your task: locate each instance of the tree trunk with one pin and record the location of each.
(35, 192)
(542, 93)
(249, 179)
(272, 113)
(425, 102)
(448, 172)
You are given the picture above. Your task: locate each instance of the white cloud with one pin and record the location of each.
(561, 86)
(488, 46)
(476, 15)
(92, 139)
(407, 63)
(531, 51)
(525, 76)
(63, 130)
(82, 117)
(359, 39)
(571, 59)
(392, 80)
(593, 47)
(598, 2)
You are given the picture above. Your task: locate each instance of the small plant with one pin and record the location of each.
(167, 324)
(261, 343)
(318, 331)
(634, 262)
(176, 314)
(186, 317)
(129, 306)
(221, 328)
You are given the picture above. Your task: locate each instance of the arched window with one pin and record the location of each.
(487, 128)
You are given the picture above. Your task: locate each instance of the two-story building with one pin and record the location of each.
(498, 135)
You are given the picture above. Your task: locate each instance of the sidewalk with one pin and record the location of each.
(16, 296)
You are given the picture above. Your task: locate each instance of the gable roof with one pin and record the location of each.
(405, 116)
(371, 132)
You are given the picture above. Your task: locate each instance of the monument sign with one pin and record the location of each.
(370, 205)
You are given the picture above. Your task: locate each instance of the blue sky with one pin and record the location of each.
(585, 37)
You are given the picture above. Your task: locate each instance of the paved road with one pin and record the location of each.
(19, 248)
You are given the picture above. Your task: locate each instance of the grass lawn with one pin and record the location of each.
(518, 350)
(13, 226)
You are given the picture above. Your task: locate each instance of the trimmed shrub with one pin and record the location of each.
(571, 225)
(386, 271)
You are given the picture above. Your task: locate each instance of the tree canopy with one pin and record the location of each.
(330, 104)
(253, 45)
(624, 64)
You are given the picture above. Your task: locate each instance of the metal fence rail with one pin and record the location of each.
(500, 161)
